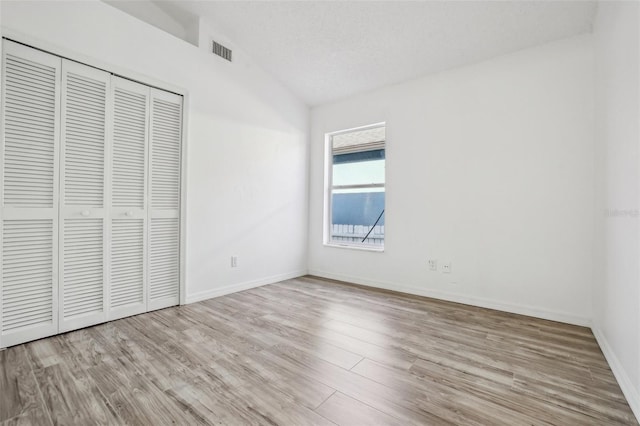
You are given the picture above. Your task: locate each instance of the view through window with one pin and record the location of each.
(357, 187)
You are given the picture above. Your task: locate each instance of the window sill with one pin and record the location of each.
(354, 247)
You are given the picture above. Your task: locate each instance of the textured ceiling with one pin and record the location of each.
(324, 51)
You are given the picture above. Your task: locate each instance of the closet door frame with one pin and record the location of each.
(183, 199)
(45, 46)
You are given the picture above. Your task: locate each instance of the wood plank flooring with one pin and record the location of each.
(314, 352)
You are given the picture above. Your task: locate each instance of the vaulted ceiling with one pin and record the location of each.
(327, 50)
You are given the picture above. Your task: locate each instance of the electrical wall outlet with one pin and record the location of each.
(433, 264)
(446, 268)
(234, 261)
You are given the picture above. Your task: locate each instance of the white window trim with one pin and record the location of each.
(328, 189)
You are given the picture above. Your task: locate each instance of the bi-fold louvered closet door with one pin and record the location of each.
(90, 200)
(30, 173)
(83, 199)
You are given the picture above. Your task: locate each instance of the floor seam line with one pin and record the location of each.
(44, 403)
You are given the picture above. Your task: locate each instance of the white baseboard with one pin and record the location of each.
(467, 300)
(234, 288)
(629, 391)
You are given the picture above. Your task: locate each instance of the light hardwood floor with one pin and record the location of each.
(311, 351)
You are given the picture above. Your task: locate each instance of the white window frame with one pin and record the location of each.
(328, 191)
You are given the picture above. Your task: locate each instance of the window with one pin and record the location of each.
(355, 200)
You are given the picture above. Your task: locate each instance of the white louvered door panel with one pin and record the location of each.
(85, 108)
(29, 194)
(128, 212)
(164, 211)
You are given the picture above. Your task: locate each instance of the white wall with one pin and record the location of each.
(247, 140)
(616, 321)
(490, 167)
(153, 14)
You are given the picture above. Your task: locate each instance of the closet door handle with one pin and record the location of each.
(129, 213)
(85, 213)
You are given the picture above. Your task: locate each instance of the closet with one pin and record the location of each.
(90, 196)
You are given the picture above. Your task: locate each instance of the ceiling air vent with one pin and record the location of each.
(220, 50)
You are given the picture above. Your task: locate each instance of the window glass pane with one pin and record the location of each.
(353, 215)
(357, 192)
(362, 172)
(354, 157)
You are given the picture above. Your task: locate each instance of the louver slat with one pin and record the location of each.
(27, 274)
(84, 141)
(164, 258)
(129, 150)
(165, 157)
(127, 260)
(82, 270)
(29, 154)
